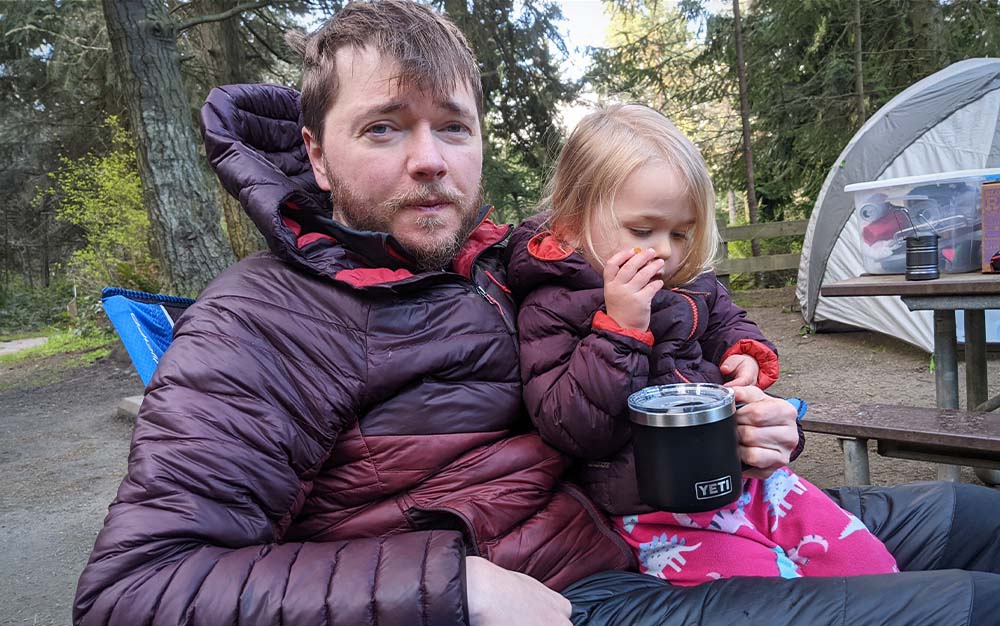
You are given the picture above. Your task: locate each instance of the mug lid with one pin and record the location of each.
(684, 404)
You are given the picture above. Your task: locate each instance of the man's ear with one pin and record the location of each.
(314, 149)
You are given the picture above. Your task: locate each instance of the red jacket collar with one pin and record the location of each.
(484, 236)
(546, 247)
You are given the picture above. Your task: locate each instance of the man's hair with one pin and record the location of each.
(432, 54)
(602, 151)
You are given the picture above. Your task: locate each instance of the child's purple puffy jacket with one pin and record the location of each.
(578, 366)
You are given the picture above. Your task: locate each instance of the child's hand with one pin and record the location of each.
(740, 370)
(631, 279)
(767, 431)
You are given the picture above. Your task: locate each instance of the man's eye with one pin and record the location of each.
(378, 130)
(456, 128)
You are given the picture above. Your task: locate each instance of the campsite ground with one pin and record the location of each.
(62, 453)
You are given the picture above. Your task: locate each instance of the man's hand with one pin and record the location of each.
(500, 597)
(767, 431)
(740, 370)
(631, 279)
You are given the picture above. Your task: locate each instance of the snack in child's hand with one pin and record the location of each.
(637, 250)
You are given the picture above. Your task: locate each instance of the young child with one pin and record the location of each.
(617, 295)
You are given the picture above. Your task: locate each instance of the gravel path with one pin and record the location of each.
(10, 347)
(62, 456)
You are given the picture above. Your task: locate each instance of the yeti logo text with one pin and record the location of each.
(713, 488)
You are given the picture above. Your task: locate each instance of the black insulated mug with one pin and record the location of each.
(686, 446)
(922, 258)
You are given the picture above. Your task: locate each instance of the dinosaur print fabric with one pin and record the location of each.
(782, 526)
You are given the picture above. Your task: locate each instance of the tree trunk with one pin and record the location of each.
(26, 266)
(219, 42)
(45, 246)
(927, 26)
(179, 196)
(859, 77)
(741, 72)
(7, 257)
(731, 199)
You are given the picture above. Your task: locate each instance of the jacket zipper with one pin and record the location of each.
(694, 313)
(486, 296)
(496, 282)
(507, 322)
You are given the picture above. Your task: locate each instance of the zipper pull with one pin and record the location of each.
(486, 296)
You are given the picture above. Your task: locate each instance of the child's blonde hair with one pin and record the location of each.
(601, 152)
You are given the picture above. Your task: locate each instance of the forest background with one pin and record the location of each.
(103, 179)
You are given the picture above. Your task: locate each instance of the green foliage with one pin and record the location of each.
(247, 48)
(801, 77)
(519, 50)
(102, 196)
(54, 92)
(23, 309)
(651, 58)
(510, 186)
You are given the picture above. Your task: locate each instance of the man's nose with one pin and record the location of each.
(425, 161)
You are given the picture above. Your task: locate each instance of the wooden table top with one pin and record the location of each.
(971, 283)
(951, 428)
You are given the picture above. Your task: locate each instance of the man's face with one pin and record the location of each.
(398, 160)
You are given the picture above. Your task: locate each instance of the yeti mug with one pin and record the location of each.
(686, 446)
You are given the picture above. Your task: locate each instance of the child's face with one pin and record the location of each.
(653, 212)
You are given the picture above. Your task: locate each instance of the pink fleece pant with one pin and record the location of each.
(782, 526)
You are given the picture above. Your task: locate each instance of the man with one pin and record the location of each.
(335, 435)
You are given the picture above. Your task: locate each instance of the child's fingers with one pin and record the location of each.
(613, 265)
(629, 268)
(647, 273)
(742, 379)
(649, 291)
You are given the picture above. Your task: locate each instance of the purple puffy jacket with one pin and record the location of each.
(578, 366)
(332, 431)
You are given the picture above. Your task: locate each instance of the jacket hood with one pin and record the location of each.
(536, 257)
(253, 139)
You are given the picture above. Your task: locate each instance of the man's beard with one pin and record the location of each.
(361, 214)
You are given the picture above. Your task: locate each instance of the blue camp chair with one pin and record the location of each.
(144, 322)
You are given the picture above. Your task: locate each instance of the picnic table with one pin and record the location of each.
(971, 293)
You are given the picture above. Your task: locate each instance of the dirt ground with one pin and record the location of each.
(63, 453)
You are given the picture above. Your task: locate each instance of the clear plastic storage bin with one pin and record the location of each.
(946, 204)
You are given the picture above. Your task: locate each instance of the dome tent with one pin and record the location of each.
(946, 122)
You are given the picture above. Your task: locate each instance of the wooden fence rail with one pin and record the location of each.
(726, 266)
